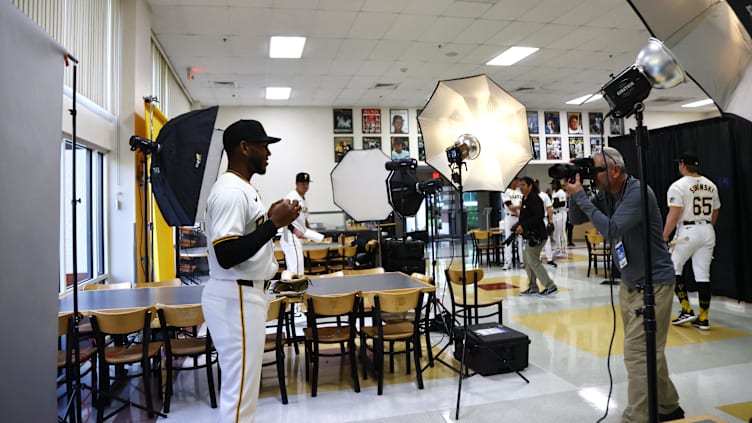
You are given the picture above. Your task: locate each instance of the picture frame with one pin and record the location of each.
(398, 121)
(553, 148)
(535, 143)
(595, 143)
(421, 149)
(343, 121)
(616, 125)
(532, 123)
(576, 147)
(371, 121)
(341, 146)
(370, 143)
(596, 123)
(553, 125)
(417, 114)
(400, 148)
(574, 122)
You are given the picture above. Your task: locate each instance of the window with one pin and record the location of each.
(89, 234)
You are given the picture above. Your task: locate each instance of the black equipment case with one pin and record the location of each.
(492, 348)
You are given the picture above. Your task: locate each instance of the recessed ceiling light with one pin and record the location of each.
(512, 55)
(278, 93)
(581, 100)
(700, 103)
(286, 47)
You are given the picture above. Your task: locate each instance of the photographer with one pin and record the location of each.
(532, 228)
(616, 212)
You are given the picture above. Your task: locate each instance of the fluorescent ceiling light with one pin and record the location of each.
(590, 98)
(278, 93)
(698, 103)
(286, 47)
(512, 55)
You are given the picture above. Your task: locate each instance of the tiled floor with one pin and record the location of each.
(569, 380)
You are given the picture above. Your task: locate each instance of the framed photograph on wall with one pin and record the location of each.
(398, 120)
(574, 122)
(371, 121)
(553, 148)
(535, 143)
(532, 123)
(343, 121)
(370, 143)
(553, 126)
(616, 125)
(576, 147)
(417, 113)
(421, 149)
(341, 146)
(400, 148)
(595, 144)
(596, 123)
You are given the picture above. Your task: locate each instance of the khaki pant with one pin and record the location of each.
(534, 268)
(635, 353)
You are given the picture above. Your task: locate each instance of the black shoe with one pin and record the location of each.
(674, 415)
(551, 263)
(549, 292)
(684, 318)
(529, 292)
(701, 324)
(571, 244)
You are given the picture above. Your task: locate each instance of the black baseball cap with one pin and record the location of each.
(688, 158)
(248, 130)
(302, 177)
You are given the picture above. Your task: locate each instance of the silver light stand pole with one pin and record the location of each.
(457, 178)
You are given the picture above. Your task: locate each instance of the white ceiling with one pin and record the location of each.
(353, 45)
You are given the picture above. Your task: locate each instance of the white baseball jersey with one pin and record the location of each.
(290, 243)
(698, 197)
(561, 195)
(513, 195)
(234, 209)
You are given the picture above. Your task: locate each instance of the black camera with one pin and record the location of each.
(584, 166)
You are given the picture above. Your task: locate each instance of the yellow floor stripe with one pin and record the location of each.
(589, 330)
(741, 410)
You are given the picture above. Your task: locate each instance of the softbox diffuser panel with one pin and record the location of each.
(189, 152)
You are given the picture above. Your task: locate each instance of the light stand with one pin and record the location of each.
(656, 67)
(648, 312)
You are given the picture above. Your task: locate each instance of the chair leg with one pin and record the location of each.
(146, 363)
(418, 369)
(281, 373)
(353, 366)
(407, 356)
(307, 350)
(315, 378)
(391, 356)
(378, 364)
(168, 390)
(210, 378)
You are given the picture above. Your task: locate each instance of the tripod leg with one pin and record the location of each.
(463, 369)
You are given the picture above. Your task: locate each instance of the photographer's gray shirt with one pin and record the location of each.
(625, 225)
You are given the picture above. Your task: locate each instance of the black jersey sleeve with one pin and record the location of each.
(234, 251)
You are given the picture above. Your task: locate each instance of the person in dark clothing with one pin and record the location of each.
(532, 228)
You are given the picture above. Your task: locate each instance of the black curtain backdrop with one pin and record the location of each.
(724, 147)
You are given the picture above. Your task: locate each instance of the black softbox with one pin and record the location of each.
(403, 195)
(186, 165)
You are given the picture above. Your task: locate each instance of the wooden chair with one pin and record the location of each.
(130, 328)
(367, 259)
(160, 284)
(482, 242)
(470, 307)
(380, 332)
(66, 360)
(280, 256)
(98, 286)
(275, 342)
(316, 261)
(325, 326)
(343, 259)
(597, 250)
(180, 326)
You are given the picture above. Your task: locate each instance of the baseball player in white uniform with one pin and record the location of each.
(241, 259)
(693, 210)
(559, 197)
(512, 200)
(290, 237)
(548, 217)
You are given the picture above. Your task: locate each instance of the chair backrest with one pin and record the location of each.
(275, 308)
(122, 321)
(161, 284)
(98, 286)
(398, 301)
(317, 254)
(332, 305)
(373, 271)
(372, 246)
(472, 276)
(480, 235)
(183, 315)
(422, 277)
(279, 255)
(63, 320)
(595, 239)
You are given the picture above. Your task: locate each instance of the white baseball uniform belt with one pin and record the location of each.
(509, 214)
(696, 222)
(558, 211)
